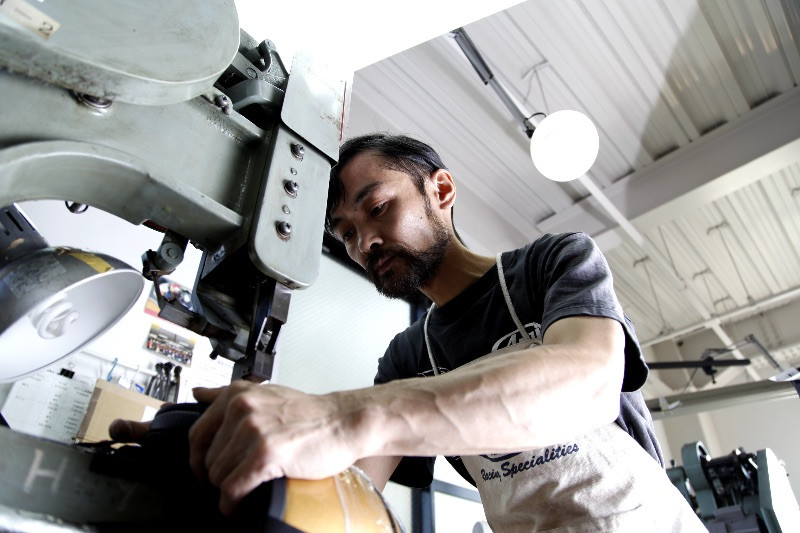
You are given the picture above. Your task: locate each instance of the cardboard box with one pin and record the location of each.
(110, 401)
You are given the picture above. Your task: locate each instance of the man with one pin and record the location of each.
(523, 359)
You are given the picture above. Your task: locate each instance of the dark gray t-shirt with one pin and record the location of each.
(554, 277)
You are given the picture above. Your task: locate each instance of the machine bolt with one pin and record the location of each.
(224, 103)
(95, 103)
(291, 187)
(298, 151)
(284, 229)
(286, 209)
(252, 72)
(75, 207)
(293, 171)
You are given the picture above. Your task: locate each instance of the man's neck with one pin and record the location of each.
(460, 269)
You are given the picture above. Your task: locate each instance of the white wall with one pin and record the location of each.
(336, 331)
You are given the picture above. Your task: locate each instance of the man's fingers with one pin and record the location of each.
(206, 395)
(199, 441)
(128, 430)
(203, 431)
(239, 483)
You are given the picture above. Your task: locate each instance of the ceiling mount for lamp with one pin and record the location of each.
(54, 301)
(564, 144)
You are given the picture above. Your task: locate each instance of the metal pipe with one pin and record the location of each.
(720, 397)
(488, 78)
(767, 302)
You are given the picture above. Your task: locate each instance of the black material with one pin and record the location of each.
(703, 363)
(162, 463)
(3, 421)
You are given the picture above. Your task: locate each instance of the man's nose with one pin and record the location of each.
(368, 241)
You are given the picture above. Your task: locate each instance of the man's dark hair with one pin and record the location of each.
(399, 152)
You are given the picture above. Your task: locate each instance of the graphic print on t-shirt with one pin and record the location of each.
(534, 329)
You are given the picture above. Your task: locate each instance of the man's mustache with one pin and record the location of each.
(376, 256)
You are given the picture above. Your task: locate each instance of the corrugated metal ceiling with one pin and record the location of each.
(658, 78)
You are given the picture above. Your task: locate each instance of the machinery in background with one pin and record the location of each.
(737, 493)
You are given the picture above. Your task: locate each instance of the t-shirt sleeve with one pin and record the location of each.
(575, 279)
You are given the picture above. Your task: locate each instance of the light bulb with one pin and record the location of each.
(564, 145)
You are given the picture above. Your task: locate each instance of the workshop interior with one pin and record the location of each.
(163, 176)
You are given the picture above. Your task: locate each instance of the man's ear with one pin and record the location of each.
(445, 189)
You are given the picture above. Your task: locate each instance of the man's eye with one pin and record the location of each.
(377, 210)
(347, 236)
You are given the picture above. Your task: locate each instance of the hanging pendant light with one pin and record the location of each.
(564, 145)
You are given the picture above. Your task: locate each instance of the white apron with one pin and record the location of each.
(603, 481)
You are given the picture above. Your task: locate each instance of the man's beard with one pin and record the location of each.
(411, 269)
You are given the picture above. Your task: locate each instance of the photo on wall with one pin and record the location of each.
(172, 292)
(170, 344)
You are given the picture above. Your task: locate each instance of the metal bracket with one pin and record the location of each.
(272, 310)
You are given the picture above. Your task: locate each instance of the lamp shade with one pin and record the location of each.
(564, 145)
(54, 301)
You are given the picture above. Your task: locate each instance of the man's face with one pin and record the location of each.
(388, 227)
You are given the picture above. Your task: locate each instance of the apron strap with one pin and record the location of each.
(507, 296)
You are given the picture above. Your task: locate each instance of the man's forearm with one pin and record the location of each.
(520, 400)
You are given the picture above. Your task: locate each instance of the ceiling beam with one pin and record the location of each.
(765, 140)
(720, 397)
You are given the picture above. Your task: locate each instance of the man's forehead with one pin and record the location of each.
(365, 171)
(363, 166)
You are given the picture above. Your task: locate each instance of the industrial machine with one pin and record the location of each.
(164, 114)
(169, 116)
(737, 493)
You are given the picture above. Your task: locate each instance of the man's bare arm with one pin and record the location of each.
(509, 402)
(519, 400)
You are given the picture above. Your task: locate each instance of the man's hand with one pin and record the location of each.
(254, 433)
(128, 430)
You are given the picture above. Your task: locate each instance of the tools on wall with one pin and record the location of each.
(165, 384)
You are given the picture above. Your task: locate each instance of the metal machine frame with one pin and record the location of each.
(237, 164)
(166, 115)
